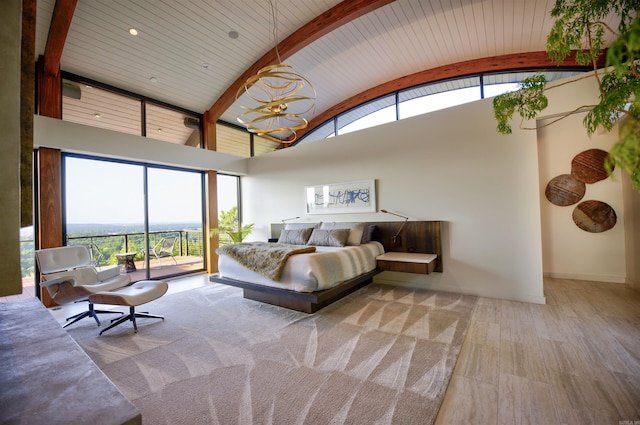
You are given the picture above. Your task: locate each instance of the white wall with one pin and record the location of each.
(449, 165)
(632, 232)
(568, 251)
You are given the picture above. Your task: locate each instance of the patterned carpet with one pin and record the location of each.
(383, 355)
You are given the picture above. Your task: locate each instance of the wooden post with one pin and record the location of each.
(50, 204)
(211, 197)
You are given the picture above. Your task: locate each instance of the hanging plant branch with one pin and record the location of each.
(580, 26)
(528, 102)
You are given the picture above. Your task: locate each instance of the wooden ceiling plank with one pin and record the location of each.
(58, 30)
(321, 25)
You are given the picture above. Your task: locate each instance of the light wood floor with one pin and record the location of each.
(575, 360)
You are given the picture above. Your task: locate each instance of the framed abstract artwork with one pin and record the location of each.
(337, 198)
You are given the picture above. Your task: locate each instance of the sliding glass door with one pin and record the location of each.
(175, 220)
(120, 210)
(104, 207)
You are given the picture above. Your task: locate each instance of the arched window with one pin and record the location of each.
(426, 98)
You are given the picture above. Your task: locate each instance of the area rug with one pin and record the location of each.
(382, 355)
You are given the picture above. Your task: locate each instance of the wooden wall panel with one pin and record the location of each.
(424, 237)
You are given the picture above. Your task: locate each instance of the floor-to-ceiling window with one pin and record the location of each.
(150, 213)
(175, 218)
(229, 208)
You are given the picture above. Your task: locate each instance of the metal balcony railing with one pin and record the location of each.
(189, 243)
(104, 247)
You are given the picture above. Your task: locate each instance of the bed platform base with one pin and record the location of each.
(413, 237)
(306, 302)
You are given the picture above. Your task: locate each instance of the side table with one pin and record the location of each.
(126, 259)
(408, 262)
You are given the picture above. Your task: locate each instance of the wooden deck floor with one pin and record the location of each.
(167, 267)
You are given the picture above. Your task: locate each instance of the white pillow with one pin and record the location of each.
(295, 236)
(355, 230)
(328, 237)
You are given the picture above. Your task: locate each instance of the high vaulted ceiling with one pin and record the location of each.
(184, 54)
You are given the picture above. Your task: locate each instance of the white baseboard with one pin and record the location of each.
(532, 299)
(589, 277)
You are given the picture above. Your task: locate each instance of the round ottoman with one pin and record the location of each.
(133, 295)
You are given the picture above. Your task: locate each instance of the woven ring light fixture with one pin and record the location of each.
(283, 101)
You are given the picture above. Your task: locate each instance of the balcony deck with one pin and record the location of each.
(167, 267)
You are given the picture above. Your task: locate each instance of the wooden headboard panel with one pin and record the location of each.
(423, 237)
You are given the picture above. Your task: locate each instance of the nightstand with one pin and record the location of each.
(408, 262)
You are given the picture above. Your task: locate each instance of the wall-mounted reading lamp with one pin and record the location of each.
(396, 237)
(284, 220)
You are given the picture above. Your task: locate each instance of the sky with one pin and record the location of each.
(425, 104)
(109, 192)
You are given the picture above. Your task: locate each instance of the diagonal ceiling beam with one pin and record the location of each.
(321, 25)
(58, 30)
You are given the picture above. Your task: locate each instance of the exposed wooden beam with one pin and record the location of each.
(209, 132)
(518, 61)
(321, 25)
(49, 92)
(58, 30)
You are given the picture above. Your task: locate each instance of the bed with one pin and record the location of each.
(309, 281)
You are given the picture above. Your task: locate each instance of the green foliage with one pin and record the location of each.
(229, 227)
(626, 153)
(228, 220)
(27, 258)
(579, 26)
(528, 102)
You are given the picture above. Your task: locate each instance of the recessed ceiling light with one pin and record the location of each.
(159, 130)
(153, 79)
(205, 65)
(133, 31)
(233, 34)
(96, 115)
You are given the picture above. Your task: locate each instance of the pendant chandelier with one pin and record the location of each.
(281, 101)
